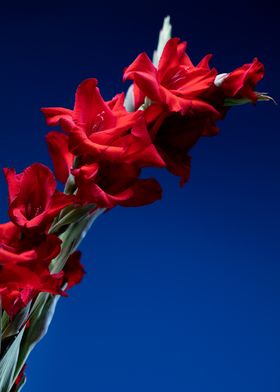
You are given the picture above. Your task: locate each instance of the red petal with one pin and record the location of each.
(53, 116)
(241, 82)
(170, 58)
(89, 104)
(61, 156)
(144, 73)
(73, 270)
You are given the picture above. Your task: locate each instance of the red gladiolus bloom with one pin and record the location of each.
(14, 300)
(176, 136)
(107, 185)
(33, 198)
(241, 82)
(104, 130)
(177, 83)
(19, 284)
(24, 267)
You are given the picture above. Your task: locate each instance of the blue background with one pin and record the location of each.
(182, 295)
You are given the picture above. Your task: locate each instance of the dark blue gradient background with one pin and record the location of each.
(182, 295)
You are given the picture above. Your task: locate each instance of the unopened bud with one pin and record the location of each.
(219, 79)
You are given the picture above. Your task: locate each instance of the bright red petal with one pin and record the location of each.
(61, 156)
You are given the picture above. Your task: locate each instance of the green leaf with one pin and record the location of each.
(73, 216)
(29, 339)
(8, 364)
(38, 305)
(4, 320)
(14, 326)
(40, 321)
(70, 185)
(72, 238)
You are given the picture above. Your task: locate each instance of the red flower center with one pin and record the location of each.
(31, 211)
(98, 123)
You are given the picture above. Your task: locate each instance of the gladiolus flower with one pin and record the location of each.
(177, 83)
(24, 267)
(108, 185)
(105, 131)
(241, 82)
(33, 198)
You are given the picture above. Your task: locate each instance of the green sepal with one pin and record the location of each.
(72, 216)
(236, 102)
(4, 320)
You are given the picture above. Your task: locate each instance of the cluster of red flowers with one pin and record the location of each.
(174, 105)
(102, 149)
(26, 246)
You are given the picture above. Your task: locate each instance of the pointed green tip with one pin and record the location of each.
(243, 101)
(266, 97)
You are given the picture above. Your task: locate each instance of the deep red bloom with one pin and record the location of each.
(33, 198)
(241, 82)
(24, 267)
(177, 83)
(20, 284)
(176, 136)
(105, 130)
(108, 185)
(15, 300)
